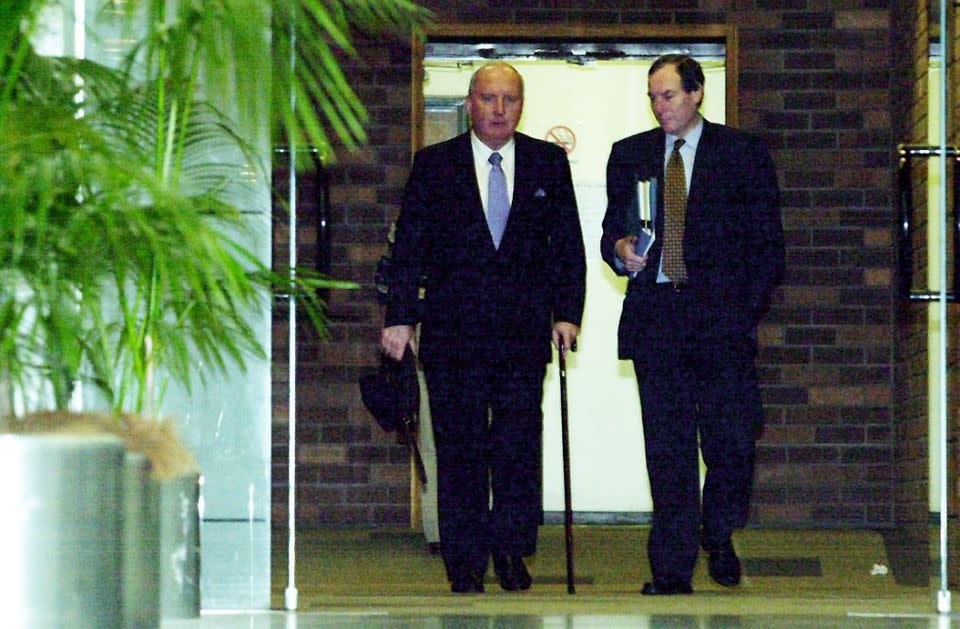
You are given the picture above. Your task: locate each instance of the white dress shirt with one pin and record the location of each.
(482, 165)
(687, 152)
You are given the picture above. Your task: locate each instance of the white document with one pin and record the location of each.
(646, 204)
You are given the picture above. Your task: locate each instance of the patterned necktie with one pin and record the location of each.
(498, 203)
(675, 209)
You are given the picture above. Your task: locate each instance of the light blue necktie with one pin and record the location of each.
(498, 203)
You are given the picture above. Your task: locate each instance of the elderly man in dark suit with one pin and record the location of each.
(489, 227)
(690, 314)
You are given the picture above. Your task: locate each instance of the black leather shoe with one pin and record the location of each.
(724, 565)
(503, 567)
(524, 580)
(466, 584)
(512, 572)
(666, 587)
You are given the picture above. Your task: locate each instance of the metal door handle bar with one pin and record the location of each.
(907, 153)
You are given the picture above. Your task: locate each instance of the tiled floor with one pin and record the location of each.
(793, 579)
(361, 620)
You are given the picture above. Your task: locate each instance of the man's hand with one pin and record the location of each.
(394, 340)
(567, 332)
(631, 261)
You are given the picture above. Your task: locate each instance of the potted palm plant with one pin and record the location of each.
(124, 256)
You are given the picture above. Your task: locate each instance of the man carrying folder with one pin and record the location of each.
(690, 314)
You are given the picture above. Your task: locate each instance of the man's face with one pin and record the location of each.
(495, 105)
(675, 109)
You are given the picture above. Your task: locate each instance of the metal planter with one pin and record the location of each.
(62, 499)
(180, 547)
(141, 540)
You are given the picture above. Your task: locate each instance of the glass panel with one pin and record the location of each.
(225, 422)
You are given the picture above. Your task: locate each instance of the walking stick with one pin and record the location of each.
(565, 437)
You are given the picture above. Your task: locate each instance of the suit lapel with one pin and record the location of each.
(470, 212)
(525, 181)
(652, 157)
(466, 175)
(468, 191)
(524, 174)
(652, 154)
(703, 164)
(649, 165)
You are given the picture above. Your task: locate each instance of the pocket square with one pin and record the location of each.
(539, 194)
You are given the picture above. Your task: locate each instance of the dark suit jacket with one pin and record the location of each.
(480, 303)
(733, 242)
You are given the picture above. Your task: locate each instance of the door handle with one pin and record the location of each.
(907, 153)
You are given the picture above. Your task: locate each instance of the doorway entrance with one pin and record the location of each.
(584, 89)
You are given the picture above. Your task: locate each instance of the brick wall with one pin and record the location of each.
(350, 472)
(910, 114)
(820, 94)
(815, 81)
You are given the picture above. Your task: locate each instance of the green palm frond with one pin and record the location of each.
(55, 170)
(228, 43)
(17, 23)
(123, 247)
(311, 37)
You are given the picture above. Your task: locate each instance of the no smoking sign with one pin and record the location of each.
(563, 136)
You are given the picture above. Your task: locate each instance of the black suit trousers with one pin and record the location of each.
(695, 391)
(488, 425)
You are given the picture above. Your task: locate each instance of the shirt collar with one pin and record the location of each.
(482, 152)
(691, 140)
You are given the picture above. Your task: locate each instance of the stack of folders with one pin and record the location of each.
(646, 206)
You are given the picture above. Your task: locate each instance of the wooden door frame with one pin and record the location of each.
(720, 33)
(467, 33)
